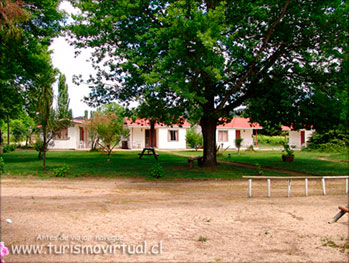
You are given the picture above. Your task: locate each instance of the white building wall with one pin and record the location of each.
(164, 143)
(70, 143)
(137, 138)
(231, 138)
(246, 135)
(295, 138)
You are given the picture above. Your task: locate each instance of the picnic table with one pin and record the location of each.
(150, 151)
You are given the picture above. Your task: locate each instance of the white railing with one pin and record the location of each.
(290, 178)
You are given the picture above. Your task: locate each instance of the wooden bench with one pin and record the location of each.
(150, 151)
(192, 159)
(290, 178)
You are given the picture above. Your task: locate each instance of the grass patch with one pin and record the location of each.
(305, 162)
(127, 164)
(122, 164)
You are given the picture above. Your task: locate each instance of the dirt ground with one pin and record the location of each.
(180, 221)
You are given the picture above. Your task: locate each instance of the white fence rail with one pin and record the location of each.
(290, 178)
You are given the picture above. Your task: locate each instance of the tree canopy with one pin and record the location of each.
(26, 29)
(205, 58)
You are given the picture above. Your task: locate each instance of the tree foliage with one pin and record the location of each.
(46, 116)
(205, 58)
(194, 139)
(63, 100)
(107, 125)
(26, 29)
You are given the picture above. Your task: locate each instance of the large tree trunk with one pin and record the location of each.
(208, 126)
(152, 133)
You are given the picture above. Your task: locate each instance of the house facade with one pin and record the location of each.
(73, 137)
(76, 136)
(236, 128)
(165, 137)
(298, 138)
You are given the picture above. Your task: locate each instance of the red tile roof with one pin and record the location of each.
(146, 124)
(242, 123)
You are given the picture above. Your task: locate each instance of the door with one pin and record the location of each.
(147, 138)
(238, 134)
(302, 138)
(82, 135)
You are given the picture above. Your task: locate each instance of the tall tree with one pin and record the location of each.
(63, 100)
(26, 29)
(107, 125)
(46, 116)
(211, 56)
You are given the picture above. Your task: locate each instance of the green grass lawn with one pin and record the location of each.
(127, 164)
(307, 162)
(122, 164)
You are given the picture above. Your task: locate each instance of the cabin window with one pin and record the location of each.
(173, 135)
(222, 136)
(61, 134)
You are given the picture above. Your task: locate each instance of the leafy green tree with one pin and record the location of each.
(26, 28)
(208, 57)
(19, 131)
(46, 116)
(63, 100)
(107, 124)
(194, 139)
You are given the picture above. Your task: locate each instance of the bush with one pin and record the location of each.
(61, 172)
(194, 139)
(38, 145)
(288, 150)
(331, 141)
(271, 140)
(2, 166)
(156, 171)
(9, 148)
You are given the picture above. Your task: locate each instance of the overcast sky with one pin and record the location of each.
(63, 59)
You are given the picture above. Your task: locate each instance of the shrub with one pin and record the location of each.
(2, 166)
(156, 171)
(238, 143)
(38, 145)
(330, 141)
(271, 140)
(9, 148)
(288, 150)
(61, 172)
(194, 139)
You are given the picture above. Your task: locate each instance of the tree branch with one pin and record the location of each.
(250, 70)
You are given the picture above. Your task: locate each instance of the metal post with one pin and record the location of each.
(289, 188)
(268, 182)
(323, 186)
(306, 186)
(249, 187)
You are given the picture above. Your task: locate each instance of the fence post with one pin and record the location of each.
(289, 188)
(249, 187)
(268, 182)
(323, 186)
(306, 186)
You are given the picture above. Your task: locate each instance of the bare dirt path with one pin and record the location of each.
(194, 221)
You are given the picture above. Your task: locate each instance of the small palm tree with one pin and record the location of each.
(238, 142)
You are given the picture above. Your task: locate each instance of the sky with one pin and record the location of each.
(63, 59)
